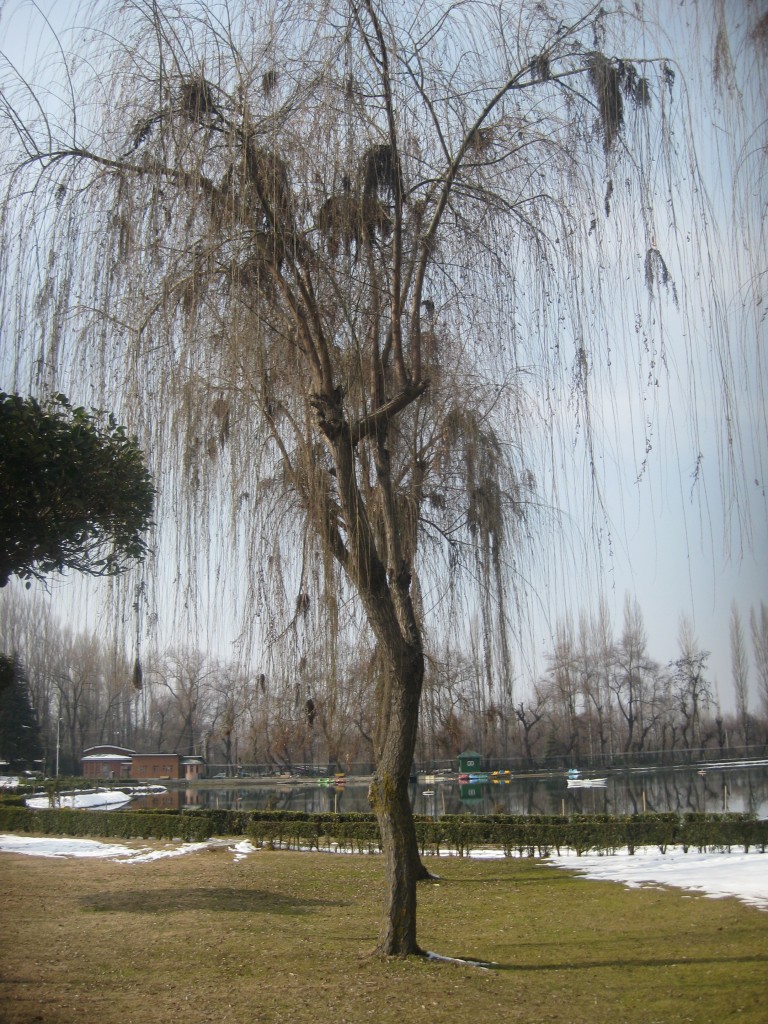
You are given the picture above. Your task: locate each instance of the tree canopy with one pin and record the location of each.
(76, 493)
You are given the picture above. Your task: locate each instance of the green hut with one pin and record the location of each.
(470, 762)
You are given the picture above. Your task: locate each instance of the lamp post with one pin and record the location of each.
(58, 744)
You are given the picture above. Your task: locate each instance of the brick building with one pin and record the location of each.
(108, 761)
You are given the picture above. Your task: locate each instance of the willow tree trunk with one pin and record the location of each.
(386, 597)
(399, 714)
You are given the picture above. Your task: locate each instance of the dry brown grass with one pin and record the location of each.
(285, 937)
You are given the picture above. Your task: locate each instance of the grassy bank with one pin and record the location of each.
(284, 937)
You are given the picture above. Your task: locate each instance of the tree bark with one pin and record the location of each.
(390, 801)
(387, 601)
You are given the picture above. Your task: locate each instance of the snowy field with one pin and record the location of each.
(743, 875)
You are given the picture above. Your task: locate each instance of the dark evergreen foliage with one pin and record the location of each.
(76, 493)
(19, 732)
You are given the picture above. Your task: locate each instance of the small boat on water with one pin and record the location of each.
(574, 783)
(339, 780)
(496, 777)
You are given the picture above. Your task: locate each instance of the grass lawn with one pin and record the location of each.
(285, 938)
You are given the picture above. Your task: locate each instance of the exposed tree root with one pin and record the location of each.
(483, 965)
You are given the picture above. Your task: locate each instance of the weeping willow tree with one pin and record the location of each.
(348, 268)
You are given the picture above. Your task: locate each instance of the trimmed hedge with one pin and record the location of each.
(523, 835)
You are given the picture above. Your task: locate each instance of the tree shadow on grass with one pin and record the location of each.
(165, 901)
(516, 881)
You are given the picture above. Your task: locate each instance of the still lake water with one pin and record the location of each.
(741, 789)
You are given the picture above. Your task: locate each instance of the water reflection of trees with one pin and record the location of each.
(681, 792)
(678, 791)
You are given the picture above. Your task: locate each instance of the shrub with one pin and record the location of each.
(530, 836)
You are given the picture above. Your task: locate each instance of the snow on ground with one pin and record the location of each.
(55, 847)
(106, 800)
(743, 875)
(36, 847)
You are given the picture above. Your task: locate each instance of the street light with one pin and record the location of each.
(58, 745)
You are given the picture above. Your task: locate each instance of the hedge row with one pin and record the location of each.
(598, 833)
(514, 834)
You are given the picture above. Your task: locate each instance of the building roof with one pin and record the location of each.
(157, 753)
(106, 757)
(111, 752)
(107, 748)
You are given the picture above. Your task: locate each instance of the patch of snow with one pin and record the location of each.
(36, 847)
(95, 799)
(9, 781)
(715, 875)
(242, 849)
(142, 857)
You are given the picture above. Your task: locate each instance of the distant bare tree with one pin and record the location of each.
(229, 707)
(561, 687)
(740, 672)
(595, 653)
(632, 678)
(692, 688)
(529, 714)
(188, 676)
(758, 625)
